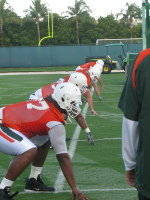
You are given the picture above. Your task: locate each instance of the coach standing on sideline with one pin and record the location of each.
(135, 104)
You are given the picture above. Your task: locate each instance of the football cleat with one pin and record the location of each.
(5, 194)
(37, 185)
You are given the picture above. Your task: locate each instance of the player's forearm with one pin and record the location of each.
(81, 121)
(96, 89)
(89, 99)
(66, 167)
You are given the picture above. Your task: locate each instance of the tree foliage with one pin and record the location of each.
(77, 27)
(77, 12)
(37, 13)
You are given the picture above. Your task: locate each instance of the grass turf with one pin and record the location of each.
(36, 69)
(96, 167)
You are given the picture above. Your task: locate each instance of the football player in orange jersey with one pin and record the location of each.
(88, 65)
(80, 80)
(25, 126)
(94, 69)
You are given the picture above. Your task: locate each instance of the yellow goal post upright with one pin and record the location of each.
(50, 26)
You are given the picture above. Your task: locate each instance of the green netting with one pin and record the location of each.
(57, 55)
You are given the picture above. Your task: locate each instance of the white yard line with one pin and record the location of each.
(104, 190)
(59, 183)
(89, 190)
(102, 139)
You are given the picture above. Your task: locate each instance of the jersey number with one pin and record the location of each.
(43, 106)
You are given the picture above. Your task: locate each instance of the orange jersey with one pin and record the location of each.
(85, 72)
(87, 65)
(48, 90)
(139, 59)
(31, 117)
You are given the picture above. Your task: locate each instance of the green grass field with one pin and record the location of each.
(36, 69)
(98, 169)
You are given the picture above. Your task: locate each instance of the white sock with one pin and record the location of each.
(35, 171)
(5, 183)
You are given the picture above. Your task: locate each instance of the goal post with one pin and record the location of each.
(119, 41)
(50, 29)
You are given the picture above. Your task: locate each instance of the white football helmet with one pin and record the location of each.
(94, 72)
(99, 66)
(68, 97)
(101, 62)
(79, 80)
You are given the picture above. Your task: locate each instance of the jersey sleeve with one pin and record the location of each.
(130, 138)
(58, 138)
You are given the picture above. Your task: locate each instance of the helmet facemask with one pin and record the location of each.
(68, 97)
(73, 110)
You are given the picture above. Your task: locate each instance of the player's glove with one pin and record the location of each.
(90, 138)
(100, 98)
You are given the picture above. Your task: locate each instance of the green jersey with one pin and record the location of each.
(135, 105)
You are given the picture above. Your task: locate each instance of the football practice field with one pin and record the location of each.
(99, 169)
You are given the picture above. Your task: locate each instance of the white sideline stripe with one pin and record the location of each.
(55, 72)
(34, 73)
(59, 183)
(101, 139)
(88, 190)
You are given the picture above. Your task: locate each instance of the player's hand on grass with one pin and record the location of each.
(93, 112)
(100, 98)
(90, 138)
(78, 195)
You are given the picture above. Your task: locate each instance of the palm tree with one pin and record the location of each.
(130, 15)
(79, 8)
(2, 14)
(38, 12)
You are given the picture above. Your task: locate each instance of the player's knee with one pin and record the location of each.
(30, 151)
(33, 150)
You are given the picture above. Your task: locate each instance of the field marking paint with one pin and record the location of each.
(59, 183)
(102, 139)
(104, 190)
(55, 72)
(88, 190)
(34, 73)
(105, 115)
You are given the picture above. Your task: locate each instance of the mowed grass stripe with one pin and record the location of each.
(96, 167)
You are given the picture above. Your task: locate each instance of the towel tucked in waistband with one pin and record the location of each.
(1, 114)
